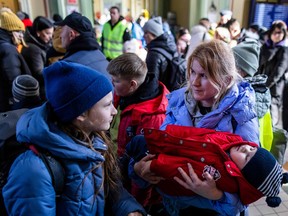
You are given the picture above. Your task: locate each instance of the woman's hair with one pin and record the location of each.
(40, 23)
(280, 25)
(216, 57)
(182, 31)
(16, 40)
(128, 66)
(111, 173)
(230, 23)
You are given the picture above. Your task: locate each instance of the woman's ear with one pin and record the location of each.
(82, 117)
(228, 80)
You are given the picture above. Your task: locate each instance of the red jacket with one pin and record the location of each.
(206, 150)
(150, 113)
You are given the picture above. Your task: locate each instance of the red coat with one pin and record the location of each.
(206, 150)
(150, 113)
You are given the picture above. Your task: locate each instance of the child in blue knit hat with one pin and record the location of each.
(71, 125)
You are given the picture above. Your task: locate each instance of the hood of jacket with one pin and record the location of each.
(262, 92)
(238, 102)
(233, 103)
(5, 37)
(35, 127)
(85, 41)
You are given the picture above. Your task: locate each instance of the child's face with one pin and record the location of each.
(122, 87)
(242, 154)
(99, 116)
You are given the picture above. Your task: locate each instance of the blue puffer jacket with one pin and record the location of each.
(29, 189)
(235, 113)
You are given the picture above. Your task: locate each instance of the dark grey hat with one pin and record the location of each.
(246, 56)
(25, 86)
(154, 26)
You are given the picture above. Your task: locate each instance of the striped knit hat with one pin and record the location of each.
(10, 21)
(265, 174)
(24, 86)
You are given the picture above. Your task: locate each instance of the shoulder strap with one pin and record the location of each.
(53, 166)
(163, 52)
(204, 36)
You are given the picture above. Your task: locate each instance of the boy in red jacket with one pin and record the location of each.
(141, 102)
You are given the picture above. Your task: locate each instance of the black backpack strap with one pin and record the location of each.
(53, 166)
(163, 52)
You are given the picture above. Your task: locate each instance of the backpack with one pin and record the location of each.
(10, 149)
(175, 74)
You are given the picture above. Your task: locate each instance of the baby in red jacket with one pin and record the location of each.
(236, 166)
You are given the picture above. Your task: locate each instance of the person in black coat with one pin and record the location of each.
(156, 38)
(38, 39)
(12, 63)
(274, 63)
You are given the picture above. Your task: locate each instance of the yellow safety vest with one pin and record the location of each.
(113, 39)
(266, 131)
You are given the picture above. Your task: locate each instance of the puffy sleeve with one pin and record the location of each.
(126, 204)
(29, 189)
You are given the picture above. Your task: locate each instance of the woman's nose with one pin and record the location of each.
(195, 80)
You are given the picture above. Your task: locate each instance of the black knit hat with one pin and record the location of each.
(25, 86)
(265, 173)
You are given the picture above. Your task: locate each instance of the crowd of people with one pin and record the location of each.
(129, 143)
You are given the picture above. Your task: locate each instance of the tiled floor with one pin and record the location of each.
(260, 207)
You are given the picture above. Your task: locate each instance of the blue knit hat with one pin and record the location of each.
(72, 88)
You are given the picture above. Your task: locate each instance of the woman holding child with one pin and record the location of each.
(215, 98)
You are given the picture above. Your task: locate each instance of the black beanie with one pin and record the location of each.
(264, 173)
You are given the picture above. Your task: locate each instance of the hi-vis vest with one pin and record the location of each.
(113, 39)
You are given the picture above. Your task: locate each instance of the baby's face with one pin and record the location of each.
(242, 154)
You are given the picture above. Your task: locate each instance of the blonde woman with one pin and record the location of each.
(215, 98)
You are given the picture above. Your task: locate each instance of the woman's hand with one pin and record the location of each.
(142, 169)
(206, 188)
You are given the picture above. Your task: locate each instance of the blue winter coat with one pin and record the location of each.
(235, 113)
(29, 189)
